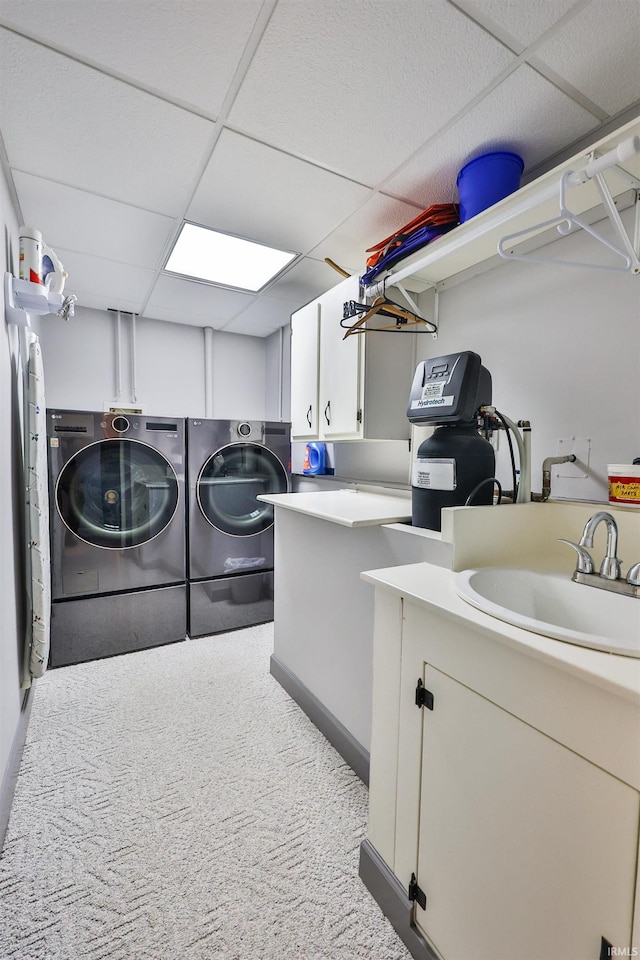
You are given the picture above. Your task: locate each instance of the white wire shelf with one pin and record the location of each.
(521, 215)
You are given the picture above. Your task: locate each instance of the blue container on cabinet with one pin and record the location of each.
(314, 459)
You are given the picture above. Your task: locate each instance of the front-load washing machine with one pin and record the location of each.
(118, 539)
(230, 532)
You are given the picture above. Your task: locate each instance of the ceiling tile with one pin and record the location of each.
(598, 52)
(81, 221)
(378, 218)
(173, 48)
(266, 312)
(358, 86)
(525, 22)
(99, 284)
(523, 104)
(70, 123)
(185, 301)
(266, 195)
(304, 282)
(248, 329)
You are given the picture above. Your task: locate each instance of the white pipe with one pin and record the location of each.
(525, 467)
(208, 372)
(280, 372)
(133, 358)
(525, 475)
(118, 373)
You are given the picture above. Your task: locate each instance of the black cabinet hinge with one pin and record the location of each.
(606, 949)
(359, 416)
(416, 894)
(424, 697)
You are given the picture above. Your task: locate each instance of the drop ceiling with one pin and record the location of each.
(317, 126)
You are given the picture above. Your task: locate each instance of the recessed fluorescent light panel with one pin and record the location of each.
(203, 254)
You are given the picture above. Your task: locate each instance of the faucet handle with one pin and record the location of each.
(610, 568)
(585, 563)
(633, 575)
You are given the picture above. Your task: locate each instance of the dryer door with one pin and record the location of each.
(229, 482)
(117, 493)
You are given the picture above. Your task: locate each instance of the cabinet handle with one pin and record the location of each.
(309, 416)
(327, 416)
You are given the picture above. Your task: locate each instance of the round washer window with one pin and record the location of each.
(117, 493)
(229, 483)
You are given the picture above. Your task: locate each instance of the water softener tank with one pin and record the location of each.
(448, 468)
(456, 464)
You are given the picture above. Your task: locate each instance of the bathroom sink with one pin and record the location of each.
(555, 606)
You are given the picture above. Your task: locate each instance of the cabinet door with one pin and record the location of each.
(305, 333)
(340, 367)
(526, 849)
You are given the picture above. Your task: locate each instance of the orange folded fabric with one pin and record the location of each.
(435, 215)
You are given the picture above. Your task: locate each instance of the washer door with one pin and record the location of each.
(229, 482)
(117, 493)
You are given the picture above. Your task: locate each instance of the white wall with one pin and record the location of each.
(563, 347)
(12, 584)
(80, 366)
(238, 377)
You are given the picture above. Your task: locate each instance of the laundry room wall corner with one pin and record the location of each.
(238, 377)
(278, 375)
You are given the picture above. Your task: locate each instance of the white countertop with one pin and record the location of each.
(349, 508)
(433, 586)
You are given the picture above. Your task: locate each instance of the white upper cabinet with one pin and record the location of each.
(341, 366)
(305, 342)
(347, 389)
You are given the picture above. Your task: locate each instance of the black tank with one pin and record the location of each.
(474, 462)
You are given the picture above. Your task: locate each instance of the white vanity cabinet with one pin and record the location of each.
(347, 389)
(513, 795)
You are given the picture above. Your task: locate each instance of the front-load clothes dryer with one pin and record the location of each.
(230, 554)
(118, 539)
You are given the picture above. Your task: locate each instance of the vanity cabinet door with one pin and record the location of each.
(525, 849)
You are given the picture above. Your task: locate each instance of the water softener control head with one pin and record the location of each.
(449, 389)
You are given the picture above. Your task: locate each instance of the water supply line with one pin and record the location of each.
(523, 441)
(208, 372)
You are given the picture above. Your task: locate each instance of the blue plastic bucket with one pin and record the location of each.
(487, 179)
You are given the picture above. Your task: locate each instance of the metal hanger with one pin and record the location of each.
(383, 307)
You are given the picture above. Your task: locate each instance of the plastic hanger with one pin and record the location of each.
(566, 220)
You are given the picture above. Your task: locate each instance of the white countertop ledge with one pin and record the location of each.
(349, 508)
(432, 586)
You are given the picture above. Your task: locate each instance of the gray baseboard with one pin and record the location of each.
(8, 786)
(338, 736)
(392, 899)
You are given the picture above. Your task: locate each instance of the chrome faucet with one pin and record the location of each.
(609, 577)
(610, 567)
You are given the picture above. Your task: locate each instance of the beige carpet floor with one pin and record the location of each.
(176, 804)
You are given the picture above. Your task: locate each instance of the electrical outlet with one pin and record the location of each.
(579, 469)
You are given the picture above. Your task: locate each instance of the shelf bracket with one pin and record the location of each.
(626, 249)
(23, 298)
